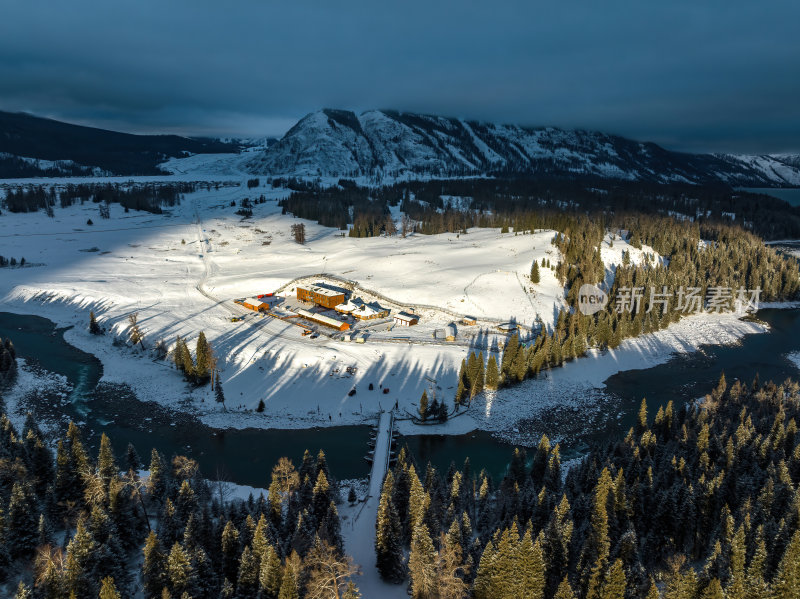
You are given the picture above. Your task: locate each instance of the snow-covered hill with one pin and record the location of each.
(388, 144)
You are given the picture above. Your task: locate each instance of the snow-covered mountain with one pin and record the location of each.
(387, 144)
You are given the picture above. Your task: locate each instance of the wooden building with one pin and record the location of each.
(253, 303)
(324, 320)
(402, 319)
(322, 296)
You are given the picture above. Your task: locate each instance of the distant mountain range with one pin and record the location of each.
(385, 143)
(382, 145)
(32, 146)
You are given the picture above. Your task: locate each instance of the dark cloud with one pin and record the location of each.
(690, 75)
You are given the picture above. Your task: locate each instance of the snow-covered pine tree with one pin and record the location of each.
(422, 564)
(388, 548)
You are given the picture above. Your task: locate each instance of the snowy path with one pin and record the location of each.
(359, 534)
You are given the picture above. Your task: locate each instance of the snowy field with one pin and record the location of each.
(180, 272)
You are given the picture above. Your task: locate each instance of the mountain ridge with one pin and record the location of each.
(26, 139)
(391, 144)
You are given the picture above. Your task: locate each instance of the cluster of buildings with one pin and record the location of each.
(357, 308)
(331, 299)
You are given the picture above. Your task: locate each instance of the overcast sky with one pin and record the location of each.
(693, 75)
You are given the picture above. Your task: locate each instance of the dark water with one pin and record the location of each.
(683, 378)
(246, 456)
(483, 451)
(242, 456)
(690, 376)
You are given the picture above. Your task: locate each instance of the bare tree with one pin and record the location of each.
(184, 468)
(330, 572)
(136, 335)
(389, 226)
(299, 232)
(50, 568)
(450, 570)
(405, 225)
(285, 476)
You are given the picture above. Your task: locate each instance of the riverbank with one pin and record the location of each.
(553, 399)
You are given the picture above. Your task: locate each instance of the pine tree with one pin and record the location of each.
(21, 521)
(132, 460)
(288, 583)
(529, 568)
(219, 396)
(423, 406)
(418, 500)
(641, 421)
(597, 547)
(80, 562)
(564, 590)
(247, 584)
(108, 590)
(713, 590)
(204, 358)
(157, 483)
(787, 580)
(23, 592)
(270, 574)
(422, 564)
(388, 549)
(480, 376)
(461, 392)
(94, 327)
(737, 579)
(463, 383)
(535, 273)
(230, 551)
(614, 585)
(492, 375)
(153, 567)
(106, 467)
(181, 574)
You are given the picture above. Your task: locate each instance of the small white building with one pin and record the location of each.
(403, 319)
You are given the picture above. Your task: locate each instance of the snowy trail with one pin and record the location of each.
(360, 535)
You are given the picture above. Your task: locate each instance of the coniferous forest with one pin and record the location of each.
(75, 525)
(700, 502)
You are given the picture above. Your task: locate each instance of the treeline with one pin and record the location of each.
(488, 202)
(702, 502)
(702, 257)
(332, 207)
(74, 526)
(14, 167)
(149, 197)
(11, 262)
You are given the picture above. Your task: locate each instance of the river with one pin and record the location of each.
(246, 456)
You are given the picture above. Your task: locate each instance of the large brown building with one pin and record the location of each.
(322, 296)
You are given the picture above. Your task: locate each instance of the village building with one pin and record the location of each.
(323, 320)
(403, 319)
(361, 310)
(322, 296)
(253, 303)
(448, 333)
